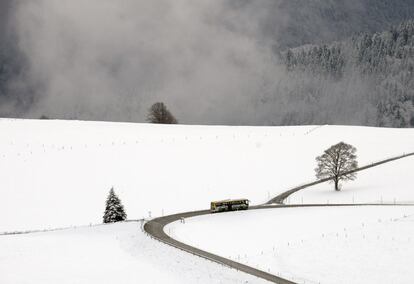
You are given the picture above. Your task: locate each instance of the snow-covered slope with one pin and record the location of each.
(105, 254)
(58, 173)
(387, 183)
(312, 245)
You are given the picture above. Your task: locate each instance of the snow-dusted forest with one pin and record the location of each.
(282, 62)
(370, 73)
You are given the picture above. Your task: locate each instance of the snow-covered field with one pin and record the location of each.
(312, 245)
(58, 173)
(387, 183)
(105, 254)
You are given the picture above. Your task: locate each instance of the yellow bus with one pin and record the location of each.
(229, 205)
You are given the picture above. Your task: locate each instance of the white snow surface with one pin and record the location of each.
(58, 173)
(388, 183)
(312, 245)
(105, 254)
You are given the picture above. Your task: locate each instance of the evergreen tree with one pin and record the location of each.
(370, 74)
(114, 210)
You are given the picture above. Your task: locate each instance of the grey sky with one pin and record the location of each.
(211, 62)
(109, 59)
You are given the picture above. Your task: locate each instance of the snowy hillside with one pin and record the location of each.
(388, 183)
(312, 245)
(58, 173)
(119, 253)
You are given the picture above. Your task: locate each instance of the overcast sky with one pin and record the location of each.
(211, 62)
(112, 59)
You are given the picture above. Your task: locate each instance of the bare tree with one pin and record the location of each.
(337, 163)
(158, 113)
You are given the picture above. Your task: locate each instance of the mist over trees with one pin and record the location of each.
(241, 62)
(293, 23)
(13, 95)
(373, 74)
(16, 93)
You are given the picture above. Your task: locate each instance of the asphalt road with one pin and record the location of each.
(155, 227)
(281, 197)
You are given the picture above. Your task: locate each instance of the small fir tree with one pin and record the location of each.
(114, 210)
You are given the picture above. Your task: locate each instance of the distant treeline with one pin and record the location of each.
(367, 79)
(378, 66)
(16, 92)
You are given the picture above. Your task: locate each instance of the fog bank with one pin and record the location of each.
(111, 60)
(211, 62)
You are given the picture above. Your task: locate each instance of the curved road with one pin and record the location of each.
(281, 197)
(155, 227)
